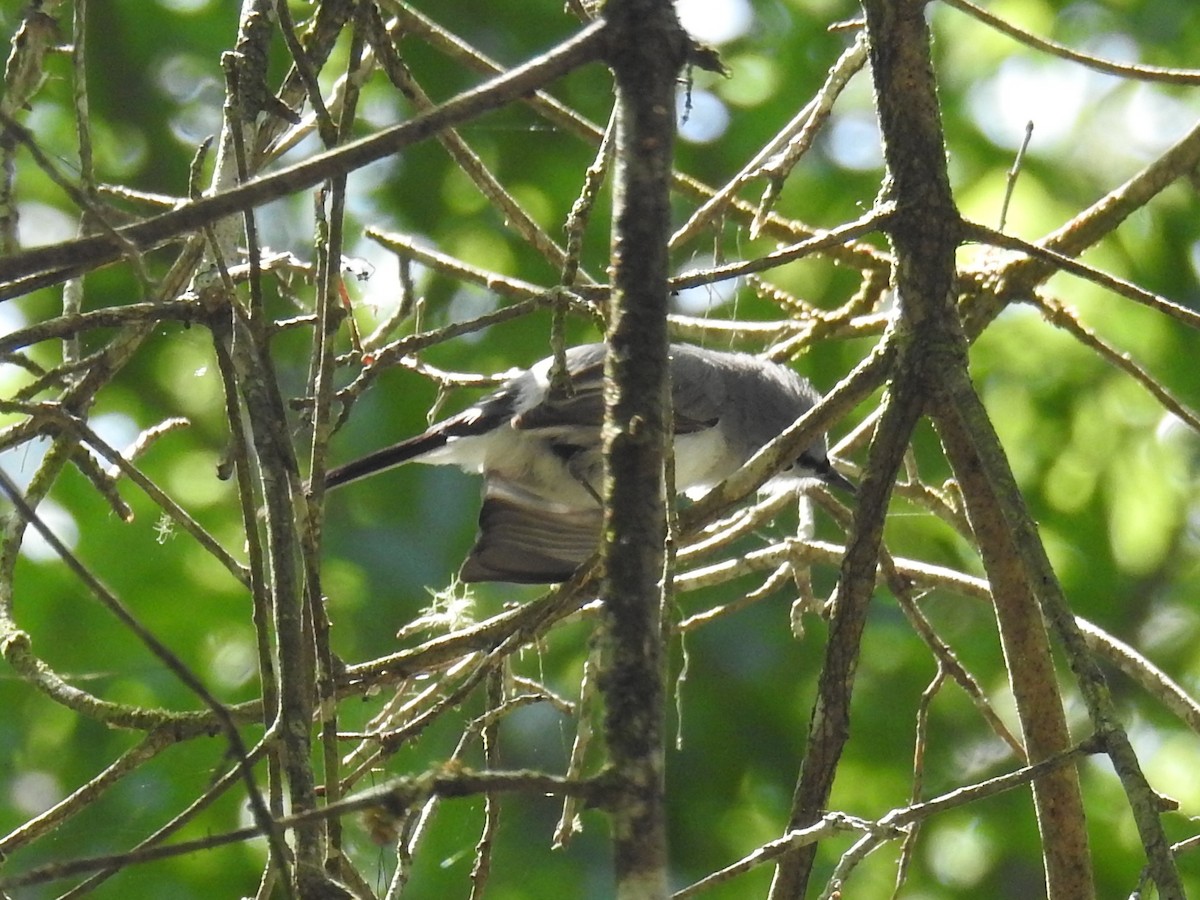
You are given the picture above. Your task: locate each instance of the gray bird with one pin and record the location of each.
(541, 460)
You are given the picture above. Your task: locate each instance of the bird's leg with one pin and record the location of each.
(587, 485)
(577, 466)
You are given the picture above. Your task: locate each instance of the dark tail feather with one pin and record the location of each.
(526, 539)
(487, 415)
(386, 458)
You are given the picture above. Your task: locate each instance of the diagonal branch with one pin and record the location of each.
(933, 354)
(58, 261)
(1011, 534)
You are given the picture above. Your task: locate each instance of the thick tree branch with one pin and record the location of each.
(646, 50)
(925, 235)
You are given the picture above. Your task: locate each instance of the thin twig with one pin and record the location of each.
(1124, 70)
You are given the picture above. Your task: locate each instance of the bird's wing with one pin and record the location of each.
(526, 539)
(583, 407)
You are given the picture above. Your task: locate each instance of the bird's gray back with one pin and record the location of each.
(706, 387)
